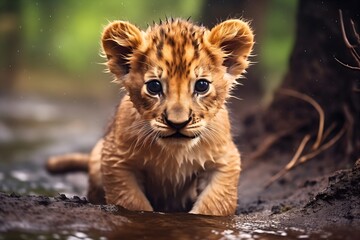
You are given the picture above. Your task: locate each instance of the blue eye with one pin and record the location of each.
(154, 87)
(202, 86)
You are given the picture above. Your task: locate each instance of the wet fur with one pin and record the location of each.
(134, 166)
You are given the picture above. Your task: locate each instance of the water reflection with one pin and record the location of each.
(122, 224)
(183, 226)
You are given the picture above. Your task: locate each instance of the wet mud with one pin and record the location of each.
(332, 212)
(317, 200)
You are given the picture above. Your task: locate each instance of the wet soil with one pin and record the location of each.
(332, 211)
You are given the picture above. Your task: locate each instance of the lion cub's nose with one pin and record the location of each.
(177, 126)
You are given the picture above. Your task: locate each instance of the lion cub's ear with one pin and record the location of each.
(119, 40)
(236, 39)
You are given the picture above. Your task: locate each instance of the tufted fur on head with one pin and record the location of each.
(122, 41)
(170, 147)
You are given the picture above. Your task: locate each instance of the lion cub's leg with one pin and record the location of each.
(122, 183)
(220, 195)
(122, 188)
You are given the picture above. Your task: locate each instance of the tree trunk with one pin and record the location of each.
(314, 71)
(215, 11)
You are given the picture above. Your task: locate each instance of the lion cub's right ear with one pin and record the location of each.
(119, 40)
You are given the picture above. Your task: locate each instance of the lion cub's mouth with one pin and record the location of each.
(178, 135)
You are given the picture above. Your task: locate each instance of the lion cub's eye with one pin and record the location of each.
(154, 87)
(202, 86)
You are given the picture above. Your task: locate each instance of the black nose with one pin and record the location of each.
(177, 126)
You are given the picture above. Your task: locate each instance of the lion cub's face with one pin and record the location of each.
(178, 75)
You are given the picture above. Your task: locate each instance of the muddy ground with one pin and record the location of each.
(318, 199)
(312, 210)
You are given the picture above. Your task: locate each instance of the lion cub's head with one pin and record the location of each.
(178, 75)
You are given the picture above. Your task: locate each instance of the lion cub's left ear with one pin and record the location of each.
(236, 40)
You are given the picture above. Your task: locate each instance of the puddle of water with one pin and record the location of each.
(186, 226)
(145, 225)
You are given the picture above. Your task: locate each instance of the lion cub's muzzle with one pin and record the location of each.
(177, 126)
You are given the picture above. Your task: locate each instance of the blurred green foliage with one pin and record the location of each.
(57, 43)
(67, 32)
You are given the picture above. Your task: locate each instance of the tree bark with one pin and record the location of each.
(314, 71)
(215, 11)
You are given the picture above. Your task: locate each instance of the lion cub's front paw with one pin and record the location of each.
(136, 207)
(219, 209)
(205, 211)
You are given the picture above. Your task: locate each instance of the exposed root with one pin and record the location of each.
(318, 147)
(292, 163)
(351, 47)
(350, 132)
(297, 160)
(347, 65)
(329, 130)
(306, 98)
(268, 142)
(324, 146)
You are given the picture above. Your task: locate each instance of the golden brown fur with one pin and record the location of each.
(171, 151)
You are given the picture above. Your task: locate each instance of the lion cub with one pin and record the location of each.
(169, 147)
